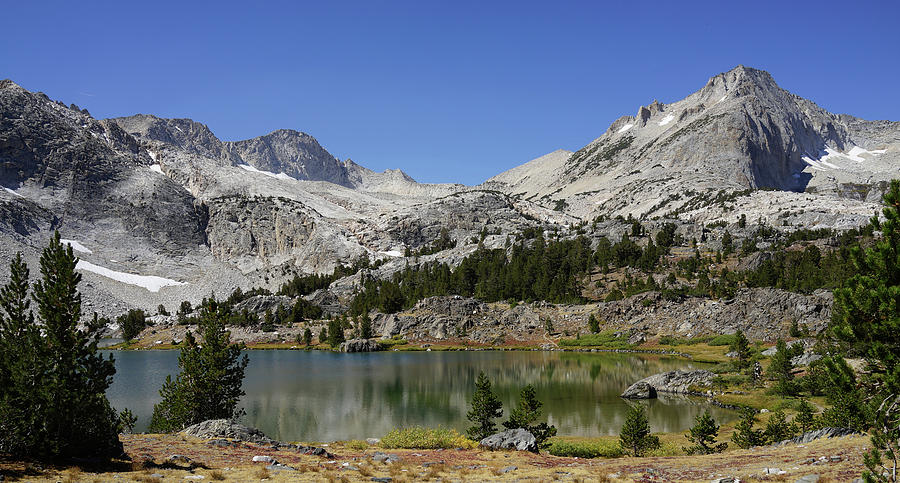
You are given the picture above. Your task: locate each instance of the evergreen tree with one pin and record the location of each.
(53, 403)
(635, 437)
(866, 320)
(485, 408)
(703, 434)
(307, 336)
(23, 366)
(323, 335)
(741, 347)
(778, 429)
(209, 384)
(781, 369)
(744, 435)
(526, 414)
(335, 332)
(593, 324)
(132, 323)
(806, 416)
(365, 327)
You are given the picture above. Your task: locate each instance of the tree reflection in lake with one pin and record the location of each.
(324, 396)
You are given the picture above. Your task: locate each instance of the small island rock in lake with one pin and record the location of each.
(673, 382)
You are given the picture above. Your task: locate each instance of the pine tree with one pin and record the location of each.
(781, 369)
(806, 416)
(703, 434)
(526, 414)
(635, 437)
(741, 346)
(593, 324)
(23, 366)
(57, 384)
(744, 435)
(323, 335)
(335, 332)
(485, 408)
(365, 327)
(778, 429)
(307, 336)
(866, 320)
(209, 384)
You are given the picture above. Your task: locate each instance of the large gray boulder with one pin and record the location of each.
(515, 439)
(359, 345)
(640, 390)
(673, 382)
(225, 428)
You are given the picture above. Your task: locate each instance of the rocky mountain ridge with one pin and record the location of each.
(161, 210)
(740, 131)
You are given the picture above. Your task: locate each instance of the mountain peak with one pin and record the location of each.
(9, 84)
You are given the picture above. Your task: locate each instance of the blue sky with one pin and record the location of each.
(451, 91)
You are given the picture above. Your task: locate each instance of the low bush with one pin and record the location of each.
(607, 339)
(586, 449)
(722, 340)
(393, 341)
(418, 437)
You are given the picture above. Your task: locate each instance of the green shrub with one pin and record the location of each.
(395, 340)
(604, 339)
(722, 340)
(418, 437)
(586, 449)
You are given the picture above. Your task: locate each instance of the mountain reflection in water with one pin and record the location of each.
(325, 396)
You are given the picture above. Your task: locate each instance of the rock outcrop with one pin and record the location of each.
(640, 390)
(673, 382)
(360, 345)
(225, 428)
(513, 439)
(819, 434)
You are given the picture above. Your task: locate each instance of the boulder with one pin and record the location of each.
(225, 428)
(819, 434)
(360, 345)
(516, 439)
(674, 382)
(805, 359)
(640, 390)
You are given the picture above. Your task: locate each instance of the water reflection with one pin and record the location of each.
(323, 396)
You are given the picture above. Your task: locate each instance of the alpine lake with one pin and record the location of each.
(320, 396)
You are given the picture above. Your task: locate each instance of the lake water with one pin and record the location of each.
(326, 396)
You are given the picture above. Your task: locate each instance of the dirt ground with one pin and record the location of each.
(834, 460)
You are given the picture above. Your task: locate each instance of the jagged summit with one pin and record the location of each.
(293, 153)
(739, 131)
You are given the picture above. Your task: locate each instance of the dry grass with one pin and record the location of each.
(262, 473)
(365, 470)
(216, 475)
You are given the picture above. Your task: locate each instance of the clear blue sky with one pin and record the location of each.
(447, 91)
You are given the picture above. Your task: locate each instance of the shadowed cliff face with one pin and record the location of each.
(87, 171)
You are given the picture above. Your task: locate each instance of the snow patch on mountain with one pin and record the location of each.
(827, 159)
(76, 245)
(667, 120)
(149, 282)
(13, 192)
(282, 176)
(157, 168)
(624, 128)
